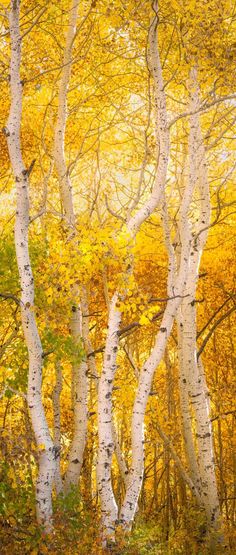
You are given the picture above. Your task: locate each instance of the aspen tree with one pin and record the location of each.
(79, 329)
(60, 127)
(44, 442)
(78, 325)
(107, 95)
(177, 286)
(184, 396)
(177, 278)
(193, 388)
(106, 444)
(57, 426)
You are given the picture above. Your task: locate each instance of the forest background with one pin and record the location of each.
(117, 277)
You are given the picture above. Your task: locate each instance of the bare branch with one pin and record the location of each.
(216, 324)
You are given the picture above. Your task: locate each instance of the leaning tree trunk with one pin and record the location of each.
(34, 396)
(177, 283)
(175, 288)
(106, 444)
(186, 416)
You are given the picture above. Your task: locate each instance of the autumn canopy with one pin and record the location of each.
(117, 414)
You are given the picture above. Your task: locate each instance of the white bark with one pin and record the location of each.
(118, 452)
(59, 137)
(34, 394)
(94, 374)
(204, 476)
(185, 411)
(106, 444)
(105, 436)
(78, 323)
(79, 328)
(192, 380)
(162, 133)
(57, 427)
(176, 288)
(184, 375)
(135, 477)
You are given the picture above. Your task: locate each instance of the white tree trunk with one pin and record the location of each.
(185, 411)
(118, 452)
(203, 472)
(77, 323)
(192, 380)
(176, 288)
(106, 444)
(59, 137)
(57, 427)
(184, 375)
(105, 436)
(135, 477)
(79, 328)
(34, 395)
(95, 376)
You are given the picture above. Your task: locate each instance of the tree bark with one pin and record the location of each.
(78, 322)
(57, 427)
(106, 444)
(79, 329)
(105, 436)
(32, 339)
(175, 288)
(60, 128)
(192, 379)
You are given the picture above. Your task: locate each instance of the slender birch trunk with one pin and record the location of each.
(186, 413)
(193, 147)
(105, 436)
(94, 373)
(79, 328)
(118, 452)
(21, 174)
(190, 368)
(198, 397)
(175, 288)
(60, 128)
(78, 322)
(57, 427)
(106, 444)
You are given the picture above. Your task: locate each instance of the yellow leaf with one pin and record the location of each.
(143, 320)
